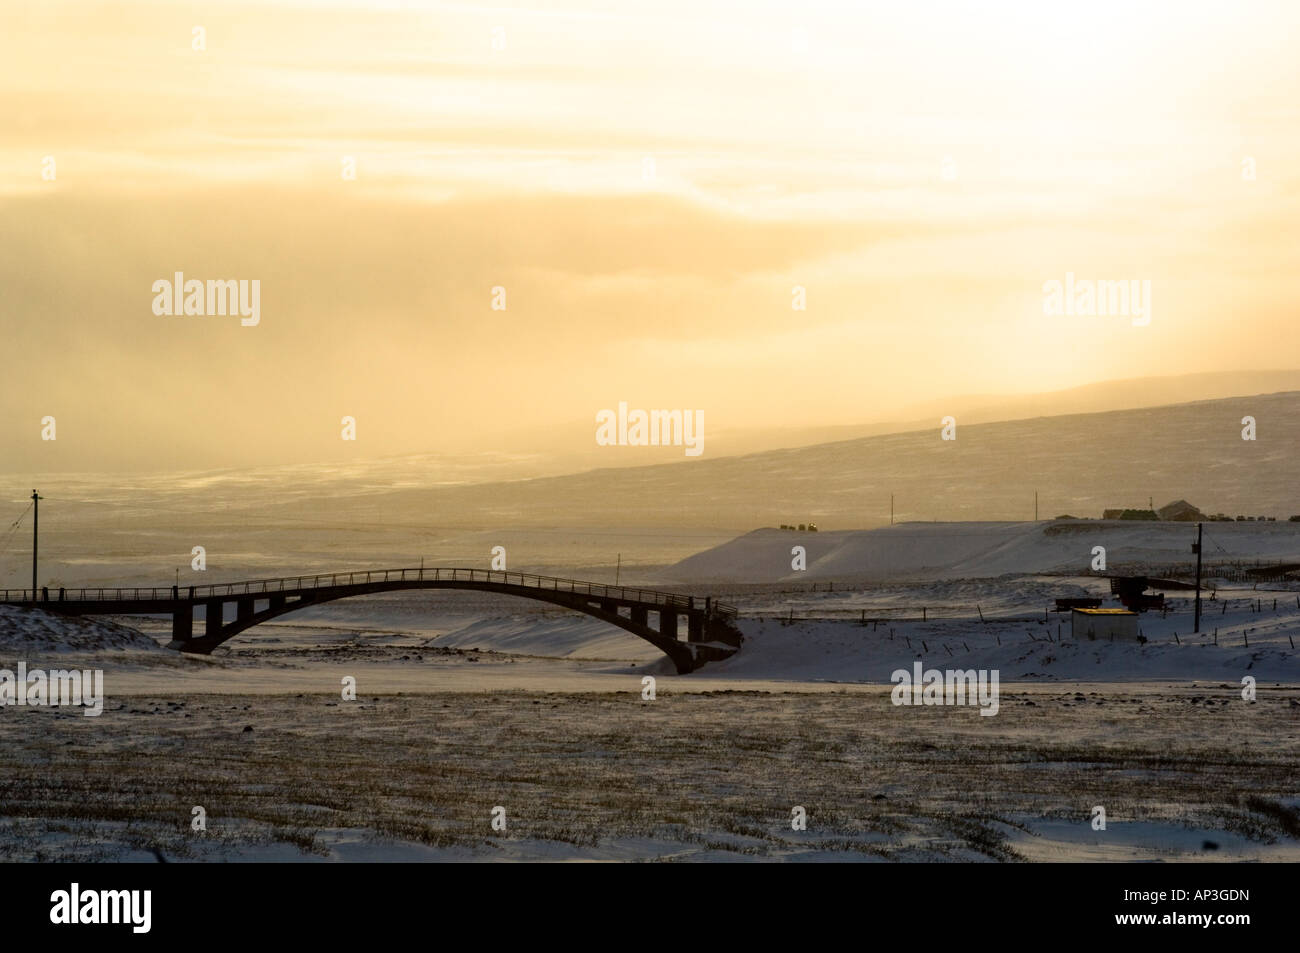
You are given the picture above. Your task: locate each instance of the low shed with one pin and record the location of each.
(1105, 624)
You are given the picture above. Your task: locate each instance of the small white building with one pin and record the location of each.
(1108, 625)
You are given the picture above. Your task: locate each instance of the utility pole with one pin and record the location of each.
(1196, 625)
(36, 522)
(1035, 506)
(618, 569)
(891, 509)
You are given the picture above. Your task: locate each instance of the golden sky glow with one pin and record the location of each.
(920, 168)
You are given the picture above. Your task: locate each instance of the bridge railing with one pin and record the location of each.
(291, 585)
(47, 594)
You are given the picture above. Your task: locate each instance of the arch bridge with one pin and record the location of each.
(710, 627)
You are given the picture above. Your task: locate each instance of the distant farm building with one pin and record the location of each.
(1180, 511)
(1129, 515)
(1108, 625)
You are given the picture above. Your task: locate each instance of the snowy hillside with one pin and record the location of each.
(982, 550)
(1079, 465)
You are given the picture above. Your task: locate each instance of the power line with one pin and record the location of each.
(1219, 548)
(13, 528)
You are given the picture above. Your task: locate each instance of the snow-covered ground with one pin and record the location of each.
(467, 700)
(1183, 772)
(26, 632)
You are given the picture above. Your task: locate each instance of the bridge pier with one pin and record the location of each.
(245, 608)
(213, 611)
(640, 616)
(695, 627)
(183, 623)
(668, 623)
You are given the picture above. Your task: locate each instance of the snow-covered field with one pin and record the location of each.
(468, 701)
(1182, 773)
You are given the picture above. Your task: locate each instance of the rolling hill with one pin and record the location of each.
(1078, 464)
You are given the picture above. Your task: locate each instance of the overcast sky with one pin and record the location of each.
(648, 182)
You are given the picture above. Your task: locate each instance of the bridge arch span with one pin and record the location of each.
(710, 626)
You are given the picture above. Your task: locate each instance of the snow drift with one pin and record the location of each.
(34, 630)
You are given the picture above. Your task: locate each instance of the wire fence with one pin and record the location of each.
(876, 616)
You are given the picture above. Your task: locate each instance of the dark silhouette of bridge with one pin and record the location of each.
(711, 631)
